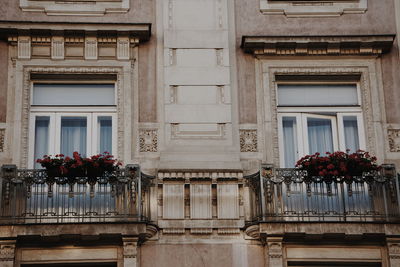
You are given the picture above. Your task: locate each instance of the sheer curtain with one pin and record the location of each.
(289, 141)
(105, 130)
(73, 135)
(41, 138)
(351, 133)
(320, 137)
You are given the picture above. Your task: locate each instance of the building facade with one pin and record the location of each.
(208, 104)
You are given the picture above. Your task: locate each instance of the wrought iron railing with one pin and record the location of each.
(291, 195)
(31, 196)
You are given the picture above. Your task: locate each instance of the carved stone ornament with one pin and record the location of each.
(148, 140)
(253, 231)
(130, 247)
(7, 252)
(2, 138)
(248, 140)
(394, 140)
(394, 251)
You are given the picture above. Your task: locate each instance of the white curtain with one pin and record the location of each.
(319, 135)
(73, 135)
(41, 138)
(289, 141)
(105, 129)
(351, 133)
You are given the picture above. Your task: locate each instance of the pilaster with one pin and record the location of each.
(394, 251)
(274, 253)
(7, 253)
(130, 251)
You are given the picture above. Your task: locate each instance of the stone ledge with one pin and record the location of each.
(318, 45)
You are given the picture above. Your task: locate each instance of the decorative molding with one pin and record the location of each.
(219, 133)
(130, 247)
(26, 93)
(173, 231)
(228, 231)
(57, 47)
(318, 45)
(269, 90)
(188, 175)
(148, 140)
(75, 7)
(123, 47)
(24, 47)
(274, 247)
(91, 50)
(2, 139)
(253, 231)
(151, 231)
(333, 8)
(394, 140)
(394, 251)
(7, 251)
(248, 140)
(201, 231)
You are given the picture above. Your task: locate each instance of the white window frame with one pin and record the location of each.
(56, 112)
(335, 113)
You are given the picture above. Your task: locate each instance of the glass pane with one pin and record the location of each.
(73, 135)
(105, 134)
(320, 137)
(351, 133)
(73, 94)
(317, 95)
(290, 141)
(42, 124)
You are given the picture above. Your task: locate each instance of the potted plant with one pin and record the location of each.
(338, 164)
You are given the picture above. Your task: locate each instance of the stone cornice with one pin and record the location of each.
(141, 31)
(317, 45)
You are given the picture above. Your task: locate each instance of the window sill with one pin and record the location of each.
(321, 8)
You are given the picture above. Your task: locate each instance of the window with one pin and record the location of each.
(308, 8)
(316, 117)
(68, 117)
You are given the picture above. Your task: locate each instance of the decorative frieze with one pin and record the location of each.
(148, 140)
(188, 175)
(228, 231)
(201, 231)
(317, 45)
(248, 140)
(2, 139)
(394, 140)
(123, 48)
(173, 231)
(91, 48)
(24, 47)
(57, 47)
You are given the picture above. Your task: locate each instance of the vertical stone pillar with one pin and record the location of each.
(7, 253)
(130, 251)
(393, 245)
(274, 252)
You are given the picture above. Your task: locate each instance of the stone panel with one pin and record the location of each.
(228, 201)
(200, 201)
(173, 201)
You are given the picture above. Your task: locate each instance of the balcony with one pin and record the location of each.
(31, 197)
(289, 195)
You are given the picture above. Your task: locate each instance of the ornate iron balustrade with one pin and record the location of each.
(31, 196)
(291, 195)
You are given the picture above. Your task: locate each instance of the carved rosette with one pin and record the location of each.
(148, 140)
(394, 140)
(248, 140)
